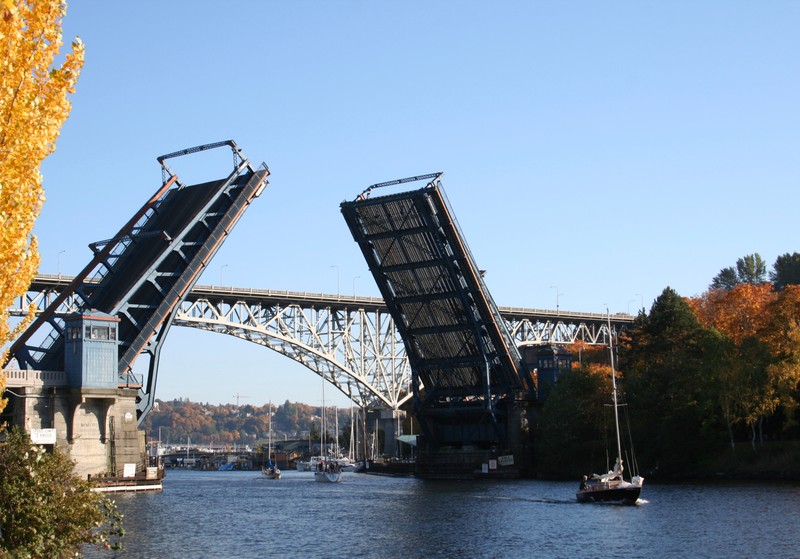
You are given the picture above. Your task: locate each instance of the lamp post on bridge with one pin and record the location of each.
(338, 290)
(58, 264)
(558, 294)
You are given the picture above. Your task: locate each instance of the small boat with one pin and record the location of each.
(611, 487)
(270, 471)
(328, 472)
(325, 470)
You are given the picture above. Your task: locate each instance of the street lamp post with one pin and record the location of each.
(338, 290)
(58, 264)
(558, 294)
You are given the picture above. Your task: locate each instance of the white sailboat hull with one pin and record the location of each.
(328, 477)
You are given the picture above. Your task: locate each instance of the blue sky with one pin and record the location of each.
(610, 149)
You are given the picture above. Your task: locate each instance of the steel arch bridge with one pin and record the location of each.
(351, 342)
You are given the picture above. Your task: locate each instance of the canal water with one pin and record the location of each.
(241, 514)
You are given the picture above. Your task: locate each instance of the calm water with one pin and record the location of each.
(240, 514)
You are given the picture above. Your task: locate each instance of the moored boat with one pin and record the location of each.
(271, 471)
(328, 472)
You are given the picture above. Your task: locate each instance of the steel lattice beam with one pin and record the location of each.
(350, 341)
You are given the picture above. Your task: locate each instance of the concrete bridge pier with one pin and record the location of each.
(390, 422)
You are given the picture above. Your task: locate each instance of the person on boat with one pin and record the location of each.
(583, 483)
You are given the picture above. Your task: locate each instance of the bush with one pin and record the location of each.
(45, 510)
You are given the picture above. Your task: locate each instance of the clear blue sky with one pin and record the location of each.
(610, 149)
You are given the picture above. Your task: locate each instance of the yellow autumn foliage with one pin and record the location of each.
(33, 106)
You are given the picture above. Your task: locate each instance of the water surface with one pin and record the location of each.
(243, 515)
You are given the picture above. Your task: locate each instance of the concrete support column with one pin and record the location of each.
(391, 423)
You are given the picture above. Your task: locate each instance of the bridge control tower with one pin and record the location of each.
(473, 392)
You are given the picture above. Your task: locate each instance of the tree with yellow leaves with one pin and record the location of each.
(33, 106)
(45, 511)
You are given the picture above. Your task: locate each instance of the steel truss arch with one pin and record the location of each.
(351, 342)
(356, 351)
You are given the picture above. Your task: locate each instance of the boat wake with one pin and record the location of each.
(544, 500)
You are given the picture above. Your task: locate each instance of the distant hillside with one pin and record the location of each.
(228, 424)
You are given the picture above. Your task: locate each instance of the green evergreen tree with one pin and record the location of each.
(569, 438)
(786, 271)
(751, 269)
(726, 279)
(672, 406)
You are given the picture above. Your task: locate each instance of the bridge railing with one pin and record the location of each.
(16, 378)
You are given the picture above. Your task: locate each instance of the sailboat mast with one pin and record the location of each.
(614, 385)
(350, 452)
(269, 443)
(322, 421)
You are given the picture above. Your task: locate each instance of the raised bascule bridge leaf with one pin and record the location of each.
(471, 386)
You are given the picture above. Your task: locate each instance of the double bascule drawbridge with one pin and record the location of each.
(436, 338)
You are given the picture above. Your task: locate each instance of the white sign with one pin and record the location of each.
(492, 464)
(43, 436)
(129, 470)
(507, 460)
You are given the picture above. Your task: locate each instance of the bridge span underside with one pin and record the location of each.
(469, 380)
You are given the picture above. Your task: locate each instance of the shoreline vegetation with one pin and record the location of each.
(711, 384)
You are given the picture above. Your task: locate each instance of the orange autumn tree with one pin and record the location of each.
(33, 107)
(739, 313)
(782, 335)
(739, 358)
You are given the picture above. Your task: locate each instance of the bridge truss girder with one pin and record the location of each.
(353, 345)
(356, 351)
(557, 331)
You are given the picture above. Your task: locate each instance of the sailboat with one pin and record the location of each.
(611, 487)
(271, 471)
(327, 470)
